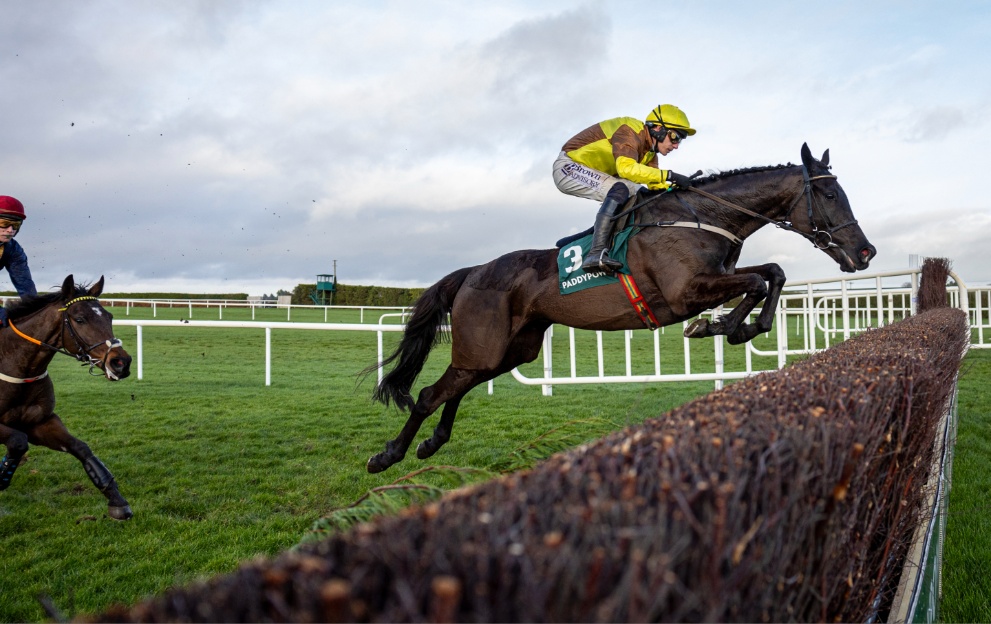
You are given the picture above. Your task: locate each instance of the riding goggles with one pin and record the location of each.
(6, 223)
(677, 136)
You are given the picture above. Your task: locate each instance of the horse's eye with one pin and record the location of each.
(80, 319)
(830, 196)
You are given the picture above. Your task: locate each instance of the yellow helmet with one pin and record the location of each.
(670, 116)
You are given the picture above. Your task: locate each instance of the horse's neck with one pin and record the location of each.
(18, 351)
(770, 194)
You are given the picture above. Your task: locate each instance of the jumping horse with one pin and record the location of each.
(69, 321)
(683, 258)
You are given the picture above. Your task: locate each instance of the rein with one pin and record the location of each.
(821, 238)
(83, 352)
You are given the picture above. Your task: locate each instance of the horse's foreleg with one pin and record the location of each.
(775, 278)
(754, 283)
(53, 434)
(17, 445)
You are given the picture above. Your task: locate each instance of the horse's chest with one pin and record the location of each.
(26, 411)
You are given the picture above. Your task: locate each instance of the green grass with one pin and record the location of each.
(967, 551)
(219, 468)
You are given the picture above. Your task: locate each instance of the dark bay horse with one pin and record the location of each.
(69, 321)
(500, 310)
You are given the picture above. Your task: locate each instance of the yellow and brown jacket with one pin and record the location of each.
(620, 147)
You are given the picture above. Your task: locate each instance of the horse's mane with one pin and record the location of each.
(31, 304)
(722, 175)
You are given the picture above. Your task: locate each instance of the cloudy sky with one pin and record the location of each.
(227, 146)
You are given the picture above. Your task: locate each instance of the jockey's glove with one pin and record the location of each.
(683, 181)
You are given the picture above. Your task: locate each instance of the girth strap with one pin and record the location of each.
(18, 380)
(704, 226)
(639, 303)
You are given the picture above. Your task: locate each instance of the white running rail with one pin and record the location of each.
(827, 310)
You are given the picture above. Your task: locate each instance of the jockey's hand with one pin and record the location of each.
(682, 181)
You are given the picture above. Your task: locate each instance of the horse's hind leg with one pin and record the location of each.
(442, 432)
(53, 434)
(17, 445)
(453, 383)
(525, 347)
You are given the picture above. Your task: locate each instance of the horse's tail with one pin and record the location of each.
(429, 313)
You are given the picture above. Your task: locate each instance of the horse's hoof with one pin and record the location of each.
(120, 513)
(698, 329)
(377, 463)
(426, 449)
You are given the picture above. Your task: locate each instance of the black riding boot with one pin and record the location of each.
(598, 259)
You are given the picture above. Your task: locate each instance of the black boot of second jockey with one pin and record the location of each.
(598, 259)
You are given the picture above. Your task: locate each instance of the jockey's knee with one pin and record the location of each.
(619, 193)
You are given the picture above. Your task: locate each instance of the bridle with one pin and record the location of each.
(83, 353)
(820, 237)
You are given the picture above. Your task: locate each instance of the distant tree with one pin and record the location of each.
(301, 294)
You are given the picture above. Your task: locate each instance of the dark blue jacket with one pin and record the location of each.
(16, 262)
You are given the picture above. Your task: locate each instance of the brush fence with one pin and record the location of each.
(793, 495)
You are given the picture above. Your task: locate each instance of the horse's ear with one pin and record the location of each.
(68, 287)
(96, 288)
(825, 159)
(807, 159)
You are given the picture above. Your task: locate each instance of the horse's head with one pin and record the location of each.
(88, 332)
(826, 216)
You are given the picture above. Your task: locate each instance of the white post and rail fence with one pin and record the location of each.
(822, 312)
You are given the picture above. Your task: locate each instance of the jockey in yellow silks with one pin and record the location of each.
(611, 160)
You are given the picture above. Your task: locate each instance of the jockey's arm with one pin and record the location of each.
(654, 179)
(20, 273)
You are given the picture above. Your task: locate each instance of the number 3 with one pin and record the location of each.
(575, 254)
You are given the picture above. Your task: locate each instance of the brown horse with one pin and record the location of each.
(69, 321)
(500, 310)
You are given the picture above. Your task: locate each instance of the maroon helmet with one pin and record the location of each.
(10, 208)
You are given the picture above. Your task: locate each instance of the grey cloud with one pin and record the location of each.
(539, 56)
(935, 123)
(222, 141)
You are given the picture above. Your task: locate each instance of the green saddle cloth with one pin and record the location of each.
(571, 277)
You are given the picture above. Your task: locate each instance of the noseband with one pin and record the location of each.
(83, 353)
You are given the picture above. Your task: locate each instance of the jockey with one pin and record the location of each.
(12, 256)
(611, 160)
